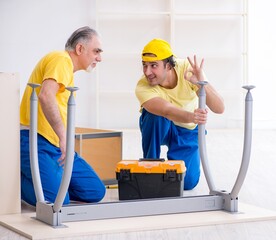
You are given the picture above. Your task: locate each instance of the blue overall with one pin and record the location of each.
(182, 144)
(84, 186)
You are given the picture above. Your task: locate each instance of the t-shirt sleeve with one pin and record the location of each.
(144, 92)
(59, 69)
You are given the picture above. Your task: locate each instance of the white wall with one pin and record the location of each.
(31, 28)
(262, 61)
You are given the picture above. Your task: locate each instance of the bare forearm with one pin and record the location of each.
(52, 114)
(213, 99)
(165, 109)
(199, 116)
(49, 105)
(177, 114)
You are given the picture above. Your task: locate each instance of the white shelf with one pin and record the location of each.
(197, 14)
(116, 93)
(215, 30)
(132, 13)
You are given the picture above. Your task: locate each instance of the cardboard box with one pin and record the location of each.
(150, 179)
(102, 149)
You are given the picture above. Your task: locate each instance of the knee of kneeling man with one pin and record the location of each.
(190, 183)
(98, 195)
(101, 194)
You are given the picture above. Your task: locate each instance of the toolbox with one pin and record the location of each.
(150, 178)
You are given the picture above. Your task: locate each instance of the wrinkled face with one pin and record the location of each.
(155, 72)
(90, 54)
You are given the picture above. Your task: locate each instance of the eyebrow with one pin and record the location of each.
(98, 50)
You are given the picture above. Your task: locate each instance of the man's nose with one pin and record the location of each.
(99, 58)
(147, 71)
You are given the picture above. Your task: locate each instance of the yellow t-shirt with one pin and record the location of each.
(55, 65)
(182, 96)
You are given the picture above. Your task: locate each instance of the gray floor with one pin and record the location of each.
(224, 152)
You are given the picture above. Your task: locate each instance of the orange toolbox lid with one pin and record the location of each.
(140, 166)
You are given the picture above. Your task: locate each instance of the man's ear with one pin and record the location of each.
(79, 49)
(168, 66)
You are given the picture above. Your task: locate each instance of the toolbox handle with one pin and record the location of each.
(152, 159)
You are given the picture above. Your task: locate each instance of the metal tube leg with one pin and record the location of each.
(33, 145)
(230, 199)
(68, 167)
(202, 140)
(246, 144)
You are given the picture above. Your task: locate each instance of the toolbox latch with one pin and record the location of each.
(124, 175)
(171, 176)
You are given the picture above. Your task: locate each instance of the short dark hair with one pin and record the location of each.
(170, 60)
(82, 34)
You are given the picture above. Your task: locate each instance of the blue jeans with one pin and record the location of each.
(182, 144)
(84, 186)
